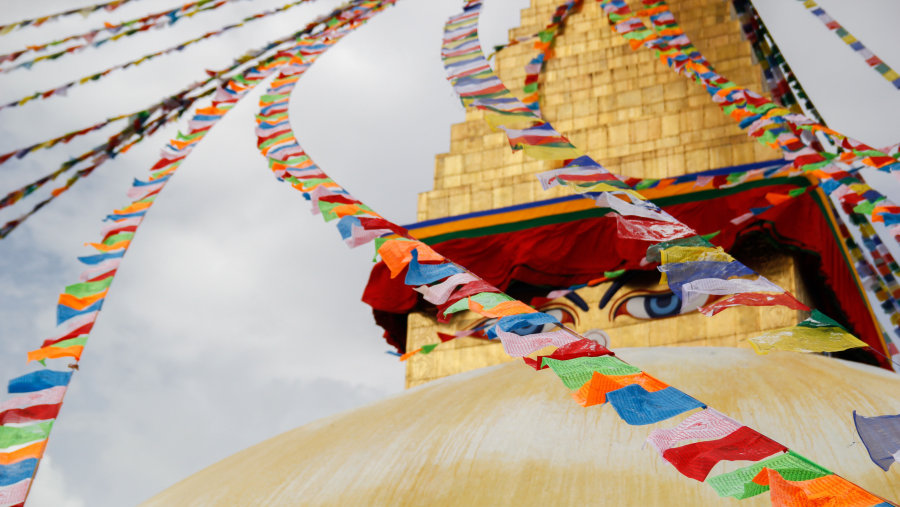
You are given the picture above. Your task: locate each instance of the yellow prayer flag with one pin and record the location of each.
(675, 254)
(495, 120)
(805, 339)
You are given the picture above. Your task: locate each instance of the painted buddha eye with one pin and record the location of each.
(653, 306)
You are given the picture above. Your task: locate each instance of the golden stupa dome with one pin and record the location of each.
(507, 435)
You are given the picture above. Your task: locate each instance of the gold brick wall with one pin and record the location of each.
(635, 116)
(629, 112)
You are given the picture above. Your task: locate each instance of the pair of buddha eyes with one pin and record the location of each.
(638, 304)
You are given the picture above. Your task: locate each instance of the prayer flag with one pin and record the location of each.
(697, 459)
(575, 372)
(580, 348)
(881, 436)
(637, 406)
(740, 484)
(829, 490)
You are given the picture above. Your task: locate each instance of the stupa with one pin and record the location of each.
(477, 429)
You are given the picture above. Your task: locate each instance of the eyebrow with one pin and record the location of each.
(617, 284)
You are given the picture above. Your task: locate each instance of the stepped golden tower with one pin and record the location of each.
(639, 119)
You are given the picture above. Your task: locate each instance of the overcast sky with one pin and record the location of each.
(236, 315)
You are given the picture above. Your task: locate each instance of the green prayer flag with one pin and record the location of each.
(490, 299)
(739, 483)
(574, 373)
(17, 435)
(865, 208)
(462, 304)
(819, 319)
(426, 349)
(122, 236)
(273, 97)
(71, 342)
(85, 289)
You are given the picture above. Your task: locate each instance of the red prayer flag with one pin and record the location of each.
(580, 348)
(697, 459)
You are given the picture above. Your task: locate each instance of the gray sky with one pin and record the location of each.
(236, 314)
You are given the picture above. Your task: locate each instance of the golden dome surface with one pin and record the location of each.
(507, 435)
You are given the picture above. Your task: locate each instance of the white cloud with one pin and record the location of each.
(50, 487)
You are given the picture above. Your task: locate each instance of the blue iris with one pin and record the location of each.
(662, 305)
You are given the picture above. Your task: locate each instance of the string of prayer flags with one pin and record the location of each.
(137, 61)
(871, 59)
(544, 44)
(119, 30)
(818, 333)
(784, 87)
(828, 490)
(881, 436)
(84, 11)
(21, 446)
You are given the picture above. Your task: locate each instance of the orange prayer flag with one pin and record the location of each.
(396, 254)
(349, 209)
(134, 208)
(109, 248)
(501, 310)
(56, 352)
(593, 392)
(409, 354)
(776, 199)
(829, 490)
(29, 451)
(80, 303)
